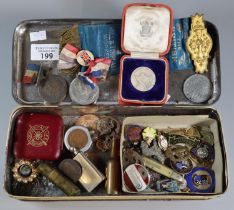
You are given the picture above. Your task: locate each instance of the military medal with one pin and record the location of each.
(201, 180)
(53, 89)
(24, 171)
(199, 43)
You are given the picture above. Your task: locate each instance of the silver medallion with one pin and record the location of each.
(143, 79)
(81, 93)
(53, 89)
(197, 88)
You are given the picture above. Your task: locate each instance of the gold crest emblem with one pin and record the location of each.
(38, 135)
(199, 44)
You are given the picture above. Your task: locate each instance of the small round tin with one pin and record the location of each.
(84, 57)
(53, 89)
(77, 138)
(197, 88)
(201, 179)
(83, 94)
(143, 79)
(136, 178)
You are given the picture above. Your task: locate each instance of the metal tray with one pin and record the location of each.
(28, 95)
(68, 114)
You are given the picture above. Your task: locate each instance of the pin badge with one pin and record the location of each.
(136, 178)
(133, 133)
(24, 171)
(203, 152)
(167, 185)
(182, 166)
(84, 57)
(201, 179)
(149, 134)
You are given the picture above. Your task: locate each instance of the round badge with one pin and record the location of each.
(143, 79)
(53, 89)
(201, 179)
(182, 166)
(81, 93)
(203, 152)
(133, 133)
(197, 88)
(84, 57)
(136, 178)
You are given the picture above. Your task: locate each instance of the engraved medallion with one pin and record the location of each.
(83, 94)
(197, 88)
(143, 79)
(53, 89)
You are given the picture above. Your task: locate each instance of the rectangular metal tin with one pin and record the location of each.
(68, 113)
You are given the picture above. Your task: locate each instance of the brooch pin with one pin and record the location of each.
(24, 171)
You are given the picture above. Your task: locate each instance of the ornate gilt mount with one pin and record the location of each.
(199, 44)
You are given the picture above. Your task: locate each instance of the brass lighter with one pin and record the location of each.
(199, 43)
(113, 176)
(91, 177)
(58, 179)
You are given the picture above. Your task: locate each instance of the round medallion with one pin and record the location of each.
(83, 94)
(143, 79)
(201, 179)
(53, 89)
(197, 88)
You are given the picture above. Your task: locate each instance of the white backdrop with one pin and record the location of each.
(219, 12)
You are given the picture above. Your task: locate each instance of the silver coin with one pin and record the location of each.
(83, 94)
(197, 88)
(53, 89)
(143, 79)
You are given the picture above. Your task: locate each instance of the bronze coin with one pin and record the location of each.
(77, 138)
